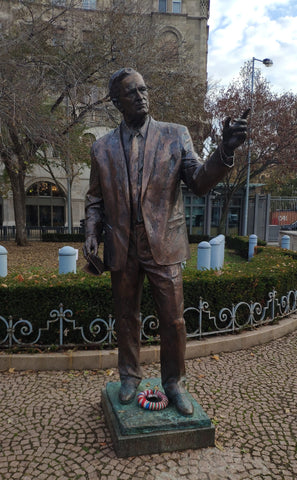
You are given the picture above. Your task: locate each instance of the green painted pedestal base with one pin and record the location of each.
(136, 431)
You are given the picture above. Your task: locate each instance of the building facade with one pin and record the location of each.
(47, 202)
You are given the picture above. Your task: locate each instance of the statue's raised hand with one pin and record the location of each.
(234, 134)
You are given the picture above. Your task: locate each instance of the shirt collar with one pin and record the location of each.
(142, 130)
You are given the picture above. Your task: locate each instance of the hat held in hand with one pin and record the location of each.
(95, 266)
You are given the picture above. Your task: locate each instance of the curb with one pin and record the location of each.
(105, 359)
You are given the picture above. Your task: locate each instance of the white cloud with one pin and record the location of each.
(240, 30)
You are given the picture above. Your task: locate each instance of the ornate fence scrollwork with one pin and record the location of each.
(149, 328)
(199, 322)
(288, 303)
(24, 327)
(101, 331)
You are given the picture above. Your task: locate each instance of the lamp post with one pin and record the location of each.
(268, 63)
(69, 200)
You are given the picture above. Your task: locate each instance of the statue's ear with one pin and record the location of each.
(117, 104)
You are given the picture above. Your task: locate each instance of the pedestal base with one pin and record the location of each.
(136, 431)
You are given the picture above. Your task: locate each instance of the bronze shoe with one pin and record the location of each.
(128, 390)
(178, 396)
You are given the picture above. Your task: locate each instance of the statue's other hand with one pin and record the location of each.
(90, 246)
(234, 134)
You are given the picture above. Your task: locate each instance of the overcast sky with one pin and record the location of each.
(243, 29)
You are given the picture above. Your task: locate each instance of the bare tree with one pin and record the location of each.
(25, 121)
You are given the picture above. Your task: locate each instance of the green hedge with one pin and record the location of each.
(33, 298)
(241, 244)
(271, 268)
(198, 238)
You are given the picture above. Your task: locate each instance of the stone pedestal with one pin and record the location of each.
(136, 431)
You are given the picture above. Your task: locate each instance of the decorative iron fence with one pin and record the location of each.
(34, 233)
(100, 332)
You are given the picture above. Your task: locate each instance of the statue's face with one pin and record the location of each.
(133, 99)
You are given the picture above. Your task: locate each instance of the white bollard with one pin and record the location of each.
(3, 261)
(217, 252)
(203, 256)
(222, 250)
(67, 260)
(285, 242)
(253, 240)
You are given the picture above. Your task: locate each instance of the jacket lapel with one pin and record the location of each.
(151, 145)
(119, 161)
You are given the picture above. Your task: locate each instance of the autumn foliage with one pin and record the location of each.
(272, 134)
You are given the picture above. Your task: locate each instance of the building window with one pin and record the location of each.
(89, 4)
(59, 3)
(163, 6)
(44, 189)
(233, 219)
(195, 212)
(45, 205)
(176, 6)
(59, 37)
(204, 8)
(169, 47)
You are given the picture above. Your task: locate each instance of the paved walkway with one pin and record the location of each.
(52, 426)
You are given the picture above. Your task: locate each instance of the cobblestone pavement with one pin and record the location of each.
(52, 425)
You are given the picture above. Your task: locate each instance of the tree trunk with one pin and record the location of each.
(17, 181)
(223, 225)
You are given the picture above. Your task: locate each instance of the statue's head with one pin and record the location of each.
(129, 94)
(115, 81)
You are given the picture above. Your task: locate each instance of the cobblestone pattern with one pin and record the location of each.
(52, 425)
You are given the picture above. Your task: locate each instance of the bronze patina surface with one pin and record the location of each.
(135, 199)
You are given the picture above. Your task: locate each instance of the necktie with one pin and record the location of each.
(134, 170)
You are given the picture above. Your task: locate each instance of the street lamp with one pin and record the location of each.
(69, 200)
(268, 63)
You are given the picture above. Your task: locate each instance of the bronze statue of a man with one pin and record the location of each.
(135, 198)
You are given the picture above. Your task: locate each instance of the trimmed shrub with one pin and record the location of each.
(88, 297)
(241, 244)
(198, 238)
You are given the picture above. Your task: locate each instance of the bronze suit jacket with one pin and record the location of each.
(169, 158)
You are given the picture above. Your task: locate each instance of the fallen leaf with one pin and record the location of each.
(216, 357)
(215, 420)
(11, 370)
(219, 446)
(109, 372)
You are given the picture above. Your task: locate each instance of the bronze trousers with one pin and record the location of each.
(167, 290)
